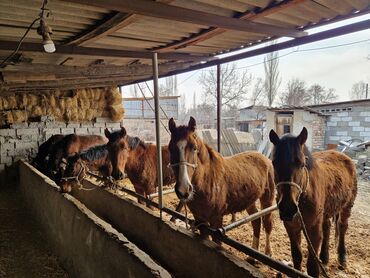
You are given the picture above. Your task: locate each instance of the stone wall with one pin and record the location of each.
(345, 125)
(21, 140)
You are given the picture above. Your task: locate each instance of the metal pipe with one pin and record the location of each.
(249, 218)
(158, 132)
(219, 103)
(279, 266)
(151, 196)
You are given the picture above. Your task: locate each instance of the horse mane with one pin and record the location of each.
(292, 148)
(133, 142)
(94, 153)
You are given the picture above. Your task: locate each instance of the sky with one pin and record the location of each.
(335, 67)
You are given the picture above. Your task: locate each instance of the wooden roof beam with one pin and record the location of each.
(214, 31)
(114, 23)
(100, 52)
(160, 10)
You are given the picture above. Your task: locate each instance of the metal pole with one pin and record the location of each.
(249, 218)
(219, 108)
(157, 132)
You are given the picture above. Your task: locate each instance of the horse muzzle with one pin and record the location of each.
(287, 213)
(184, 193)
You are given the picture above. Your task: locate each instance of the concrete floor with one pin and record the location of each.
(24, 251)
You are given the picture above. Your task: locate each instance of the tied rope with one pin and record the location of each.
(79, 180)
(309, 243)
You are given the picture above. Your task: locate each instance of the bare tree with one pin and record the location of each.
(358, 90)
(295, 94)
(169, 88)
(272, 77)
(257, 92)
(320, 95)
(234, 85)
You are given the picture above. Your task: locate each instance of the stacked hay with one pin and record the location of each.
(77, 105)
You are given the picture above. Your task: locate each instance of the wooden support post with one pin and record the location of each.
(219, 104)
(158, 132)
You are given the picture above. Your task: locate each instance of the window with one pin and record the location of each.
(286, 129)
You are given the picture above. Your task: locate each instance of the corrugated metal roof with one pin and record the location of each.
(92, 26)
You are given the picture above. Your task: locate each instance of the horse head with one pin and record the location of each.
(183, 149)
(291, 160)
(74, 171)
(118, 151)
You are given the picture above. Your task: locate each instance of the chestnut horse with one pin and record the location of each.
(43, 154)
(94, 159)
(71, 144)
(138, 160)
(318, 186)
(213, 186)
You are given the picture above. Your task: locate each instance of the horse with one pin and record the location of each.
(42, 157)
(70, 144)
(78, 165)
(314, 187)
(138, 160)
(213, 186)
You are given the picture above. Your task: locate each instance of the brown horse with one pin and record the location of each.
(43, 154)
(214, 186)
(78, 165)
(138, 160)
(318, 186)
(71, 144)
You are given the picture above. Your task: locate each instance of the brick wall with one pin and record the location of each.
(348, 124)
(318, 133)
(21, 141)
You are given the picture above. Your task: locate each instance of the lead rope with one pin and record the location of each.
(186, 216)
(306, 233)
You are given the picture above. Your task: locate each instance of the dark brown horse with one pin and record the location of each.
(71, 144)
(43, 154)
(77, 166)
(214, 186)
(138, 160)
(319, 186)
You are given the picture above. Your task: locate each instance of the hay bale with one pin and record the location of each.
(114, 97)
(1, 104)
(53, 101)
(6, 118)
(89, 114)
(71, 103)
(22, 101)
(84, 103)
(116, 112)
(98, 94)
(82, 93)
(32, 100)
(38, 111)
(19, 116)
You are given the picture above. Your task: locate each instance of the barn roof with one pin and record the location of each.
(110, 42)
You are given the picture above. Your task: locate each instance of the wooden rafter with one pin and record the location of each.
(160, 10)
(100, 52)
(214, 31)
(114, 23)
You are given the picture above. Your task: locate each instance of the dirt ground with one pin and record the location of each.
(357, 240)
(23, 249)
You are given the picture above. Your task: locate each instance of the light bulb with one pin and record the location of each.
(49, 46)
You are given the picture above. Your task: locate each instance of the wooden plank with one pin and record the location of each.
(340, 7)
(215, 31)
(99, 52)
(161, 10)
(115, 22)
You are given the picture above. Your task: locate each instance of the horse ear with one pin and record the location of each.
(107, 133)
(123, 132)
(192, 124)
(274, 138)
(172, 125)
(302, 137)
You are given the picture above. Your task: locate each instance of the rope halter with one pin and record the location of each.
(183, 163)
(297, 186)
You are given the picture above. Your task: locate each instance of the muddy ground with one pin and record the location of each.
(357, 240)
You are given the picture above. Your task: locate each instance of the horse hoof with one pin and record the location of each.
(342, 266)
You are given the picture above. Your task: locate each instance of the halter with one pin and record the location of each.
(81, 175)
(291, 183)
(183, 163)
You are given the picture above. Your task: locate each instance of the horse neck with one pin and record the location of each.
(136, 159)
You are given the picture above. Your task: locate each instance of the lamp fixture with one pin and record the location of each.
(45, 31)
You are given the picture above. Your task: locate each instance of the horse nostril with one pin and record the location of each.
(186, 195)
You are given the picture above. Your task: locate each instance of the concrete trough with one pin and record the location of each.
(181, 252)
(86, 245)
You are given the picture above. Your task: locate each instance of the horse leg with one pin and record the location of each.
(256, 225)
(315, 235)
(266, 201)
(140, 191)
(215, 224)
(179, 207)
(295, 237)
(342, 229)
(324, 254)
